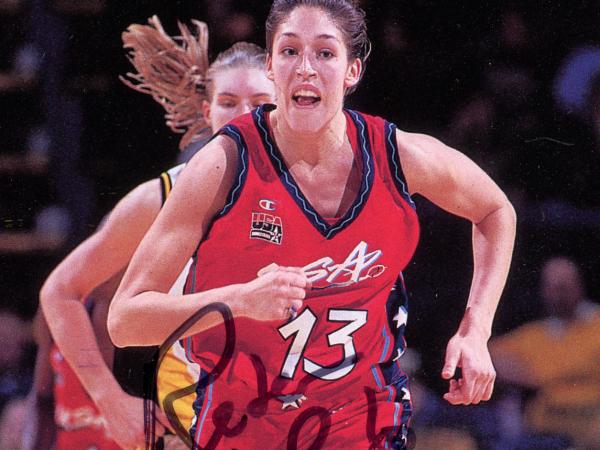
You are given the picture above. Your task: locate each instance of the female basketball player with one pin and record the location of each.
(301, 219)
(195, 97)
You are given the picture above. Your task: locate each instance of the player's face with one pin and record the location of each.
(237, 91)
(310, 67)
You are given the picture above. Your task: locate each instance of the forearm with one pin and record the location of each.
(493, 241)
(150, 317)
(73, 333)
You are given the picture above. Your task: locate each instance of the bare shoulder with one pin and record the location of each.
(144, 201)
(447, 177)
(216, 156)
(423, 157)
(419, 145)
(209, 176)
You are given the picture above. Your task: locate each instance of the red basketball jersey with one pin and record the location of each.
(328, 358)
(80, 425)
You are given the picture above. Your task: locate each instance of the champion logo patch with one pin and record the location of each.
(266, 204)
(266, 227)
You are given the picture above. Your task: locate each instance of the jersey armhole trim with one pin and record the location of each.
(394, 163)
(234, 133)
(165, 186)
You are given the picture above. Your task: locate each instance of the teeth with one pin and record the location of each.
(305, 93)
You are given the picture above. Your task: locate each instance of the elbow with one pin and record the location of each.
(117, 325)
(45, 294)
(510, 215)
(50, 296)
(502, 214)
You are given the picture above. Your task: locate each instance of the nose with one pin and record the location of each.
(305, 68)
(246, 107)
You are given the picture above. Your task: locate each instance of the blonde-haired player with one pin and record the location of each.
(198, 98)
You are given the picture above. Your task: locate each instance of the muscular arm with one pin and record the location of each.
(95, 262)
(453, 182)
(142, 312)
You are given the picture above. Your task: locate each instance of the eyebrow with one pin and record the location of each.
(320, 36)
(229, 94)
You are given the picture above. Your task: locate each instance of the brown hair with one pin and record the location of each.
(347, 15)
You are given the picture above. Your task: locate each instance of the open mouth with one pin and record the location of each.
(305, 97)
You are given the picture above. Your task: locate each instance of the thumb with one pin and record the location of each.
(270, 268)
(449, 369)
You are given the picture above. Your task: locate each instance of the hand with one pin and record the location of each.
(470, 353)
(277, 293)
(124, 416)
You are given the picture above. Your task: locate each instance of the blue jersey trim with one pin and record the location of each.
(396, 414)
(186, 343)
(386, 344)
(394, 163)
(290, 185)
(376, 376)
(196, 429)
(234, 133)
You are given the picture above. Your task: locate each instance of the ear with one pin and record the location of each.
(353, 73)
(206, 113)
(270, 75)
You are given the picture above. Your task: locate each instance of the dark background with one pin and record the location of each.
(478, 75)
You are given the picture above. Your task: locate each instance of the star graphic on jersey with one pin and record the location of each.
(406, 393)
(399, 353)
(291, 401)
(401, 317)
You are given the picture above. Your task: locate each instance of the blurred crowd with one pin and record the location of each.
(514, 85)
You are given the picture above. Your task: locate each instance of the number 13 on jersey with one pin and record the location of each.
(301, 328)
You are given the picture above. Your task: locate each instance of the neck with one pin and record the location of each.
(310, 148)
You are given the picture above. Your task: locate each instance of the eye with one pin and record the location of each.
(227, 104)
(326, 54)
(288, 51)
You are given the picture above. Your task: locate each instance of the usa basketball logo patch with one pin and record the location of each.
(266, 227)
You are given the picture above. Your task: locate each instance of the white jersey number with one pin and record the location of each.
(302, 327)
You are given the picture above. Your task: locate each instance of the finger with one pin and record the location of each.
(453, 396)
(293, 269)
(294, 308)
(457, 399)
(299, 271)
(471, 382)
(296, 293)
(296, 305)
(288, 313)
(489, 390)
(270, 268)
(291, 311)
(298, 280)
(453, 388)
(480, 391)
(452, 357)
